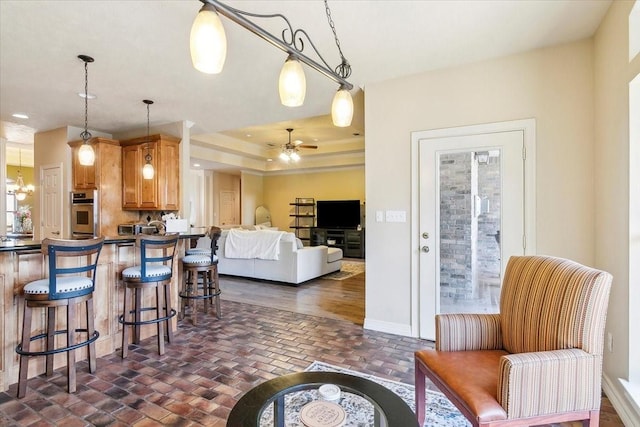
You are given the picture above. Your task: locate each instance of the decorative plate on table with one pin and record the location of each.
(322, 414)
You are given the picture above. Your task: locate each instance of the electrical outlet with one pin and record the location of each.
(610, 342)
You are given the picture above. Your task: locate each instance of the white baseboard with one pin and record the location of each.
(621, 402)
(388, 327)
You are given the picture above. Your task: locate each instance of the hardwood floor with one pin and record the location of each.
(335, 299)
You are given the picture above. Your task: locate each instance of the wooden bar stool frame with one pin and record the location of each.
(154, 272)
(65, 287)
(201, 261)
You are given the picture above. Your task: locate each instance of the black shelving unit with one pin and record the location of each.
(303, 213)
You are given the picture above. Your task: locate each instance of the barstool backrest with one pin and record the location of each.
(156, 250)
(86, 251)
(214, 234)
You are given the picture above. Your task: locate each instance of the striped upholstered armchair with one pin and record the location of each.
(539, 361)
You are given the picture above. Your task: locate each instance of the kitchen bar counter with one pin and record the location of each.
(21, 262)
(12, 245)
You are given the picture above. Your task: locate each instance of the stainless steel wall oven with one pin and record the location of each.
(84, 214)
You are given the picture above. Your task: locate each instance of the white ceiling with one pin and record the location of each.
(141, 51)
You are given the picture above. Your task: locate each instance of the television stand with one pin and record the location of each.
(351, 241)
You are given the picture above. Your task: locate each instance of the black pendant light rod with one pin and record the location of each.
(291, 48)
(86, 135)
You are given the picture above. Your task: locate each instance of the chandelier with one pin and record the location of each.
(20, 190)
(208, 44)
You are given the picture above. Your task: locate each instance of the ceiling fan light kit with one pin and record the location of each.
(290, 149)
(208, 44)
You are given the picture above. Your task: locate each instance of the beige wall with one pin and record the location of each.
(252, 188)
(339, 184)
(552, 85)
(615, 185)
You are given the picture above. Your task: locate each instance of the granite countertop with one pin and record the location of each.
(12, 245)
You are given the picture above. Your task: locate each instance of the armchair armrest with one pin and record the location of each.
(546, 382)
(459, 332)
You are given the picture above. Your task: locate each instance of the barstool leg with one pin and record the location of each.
(51, 338)
(159, 315)
(71, 340)
(24, 360)
(91, 350)
(137, 305)
(167, 301)
(125, 328)
(216, 284)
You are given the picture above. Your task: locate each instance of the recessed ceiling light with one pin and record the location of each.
(196, 165)
(269, 160)
(249, 135)
(89, 95)
(20, 116)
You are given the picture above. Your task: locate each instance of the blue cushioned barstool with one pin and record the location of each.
(155, 271)
(204, 261)
(70, 283)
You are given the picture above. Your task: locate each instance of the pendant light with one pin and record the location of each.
(86, 155)
(208, 41)
(292, 84)
(342, 108)
(147, 169)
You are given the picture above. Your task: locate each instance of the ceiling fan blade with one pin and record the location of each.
(307, 146)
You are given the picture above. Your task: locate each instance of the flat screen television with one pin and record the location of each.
(338, 213)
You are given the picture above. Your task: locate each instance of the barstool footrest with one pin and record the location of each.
(92, 339)
(172, 313)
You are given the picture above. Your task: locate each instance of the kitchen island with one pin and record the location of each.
(21, 261)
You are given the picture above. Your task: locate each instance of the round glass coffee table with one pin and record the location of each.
(389, 408)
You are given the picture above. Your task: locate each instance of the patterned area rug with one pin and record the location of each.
(348, 269)
(440, 412)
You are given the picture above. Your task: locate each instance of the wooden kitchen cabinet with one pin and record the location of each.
(163, 191)
(88, 177)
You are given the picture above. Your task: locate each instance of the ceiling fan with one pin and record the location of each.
(290, 149)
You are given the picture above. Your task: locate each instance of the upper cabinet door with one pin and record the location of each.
(163, 191)
(131, 175)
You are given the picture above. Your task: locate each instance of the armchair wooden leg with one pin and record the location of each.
(593, 421)
(420, 393)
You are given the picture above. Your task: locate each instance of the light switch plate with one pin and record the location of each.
(396, 216)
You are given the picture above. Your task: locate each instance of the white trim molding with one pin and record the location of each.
(387, 327)
(624, 400)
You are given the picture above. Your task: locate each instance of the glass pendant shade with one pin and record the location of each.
(342, 108)
(292, 84)
(284, 156)
(148, 171)
(294, 156)
(208, 41)
(86, 155)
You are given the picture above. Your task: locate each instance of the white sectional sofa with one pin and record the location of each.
(295, 263)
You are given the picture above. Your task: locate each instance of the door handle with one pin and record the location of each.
(425, 249)
(425, 235)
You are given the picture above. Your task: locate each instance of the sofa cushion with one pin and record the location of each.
(334, 254)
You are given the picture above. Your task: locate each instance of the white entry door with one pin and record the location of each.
(472, 219)
(51, 202)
